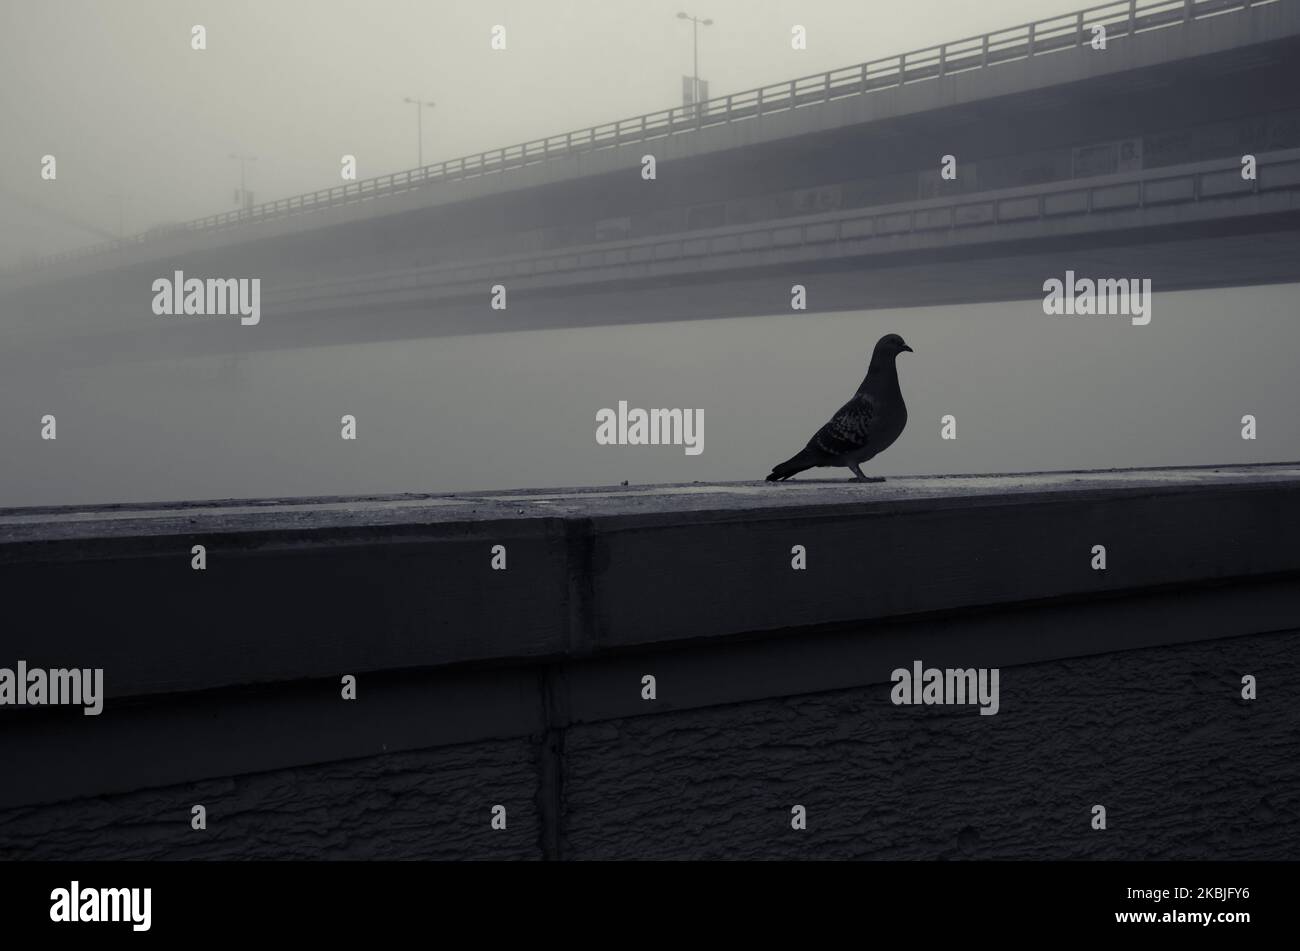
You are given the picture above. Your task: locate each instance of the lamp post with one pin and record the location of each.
(419, 122)
(696, 23)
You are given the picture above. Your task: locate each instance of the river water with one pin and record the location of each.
(513, 410)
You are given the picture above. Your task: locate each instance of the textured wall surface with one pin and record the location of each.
(1185, 768)
(1160, 737)
(430, 804)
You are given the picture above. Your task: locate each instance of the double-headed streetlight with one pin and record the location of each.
(696, 23)
(419, 122)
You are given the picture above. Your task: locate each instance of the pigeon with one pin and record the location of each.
(863, 427)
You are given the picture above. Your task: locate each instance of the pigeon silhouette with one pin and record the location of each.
(863, 427)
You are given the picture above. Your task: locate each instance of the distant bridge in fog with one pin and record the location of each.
(1067, 157)
(1119, 19)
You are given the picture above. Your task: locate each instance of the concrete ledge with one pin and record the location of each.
(307, 589)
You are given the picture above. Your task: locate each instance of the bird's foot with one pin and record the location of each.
(867, 479)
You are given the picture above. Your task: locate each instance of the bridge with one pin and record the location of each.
(500, 644)
(1068, 157)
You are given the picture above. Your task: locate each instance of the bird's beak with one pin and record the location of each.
(908, 349)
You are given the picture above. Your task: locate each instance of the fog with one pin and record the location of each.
(518, 410)
(143, 126)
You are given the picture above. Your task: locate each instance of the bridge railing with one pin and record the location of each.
(1119, 18)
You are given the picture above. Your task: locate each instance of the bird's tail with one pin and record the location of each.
(793, 466)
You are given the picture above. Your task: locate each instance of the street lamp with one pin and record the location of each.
(243, 160)
(696, 23)
(419, 122)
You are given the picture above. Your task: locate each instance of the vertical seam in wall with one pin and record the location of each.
(552, 695)
(552, 683)
(580, 585)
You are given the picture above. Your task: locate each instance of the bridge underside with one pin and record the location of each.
(1220, 254)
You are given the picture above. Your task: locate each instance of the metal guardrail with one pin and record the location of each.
(1121, 18)
(1173, 185)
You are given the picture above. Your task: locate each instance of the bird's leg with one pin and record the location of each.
(859, 476)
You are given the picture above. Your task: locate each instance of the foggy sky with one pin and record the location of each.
(113, 90)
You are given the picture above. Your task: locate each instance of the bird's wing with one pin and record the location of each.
(847, 430)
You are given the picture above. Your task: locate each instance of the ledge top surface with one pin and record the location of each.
(631, 503)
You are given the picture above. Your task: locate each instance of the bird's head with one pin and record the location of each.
(891, 345)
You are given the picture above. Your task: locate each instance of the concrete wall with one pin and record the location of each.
(524, 688)
(1161, 737)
